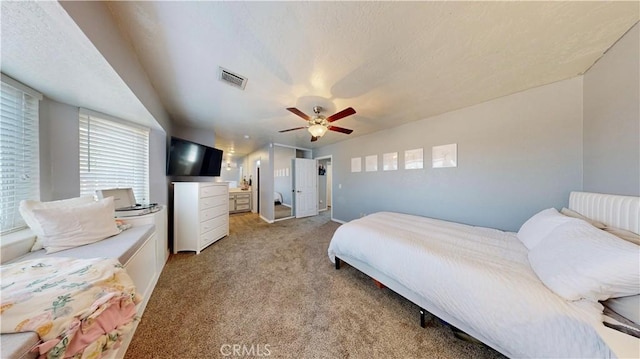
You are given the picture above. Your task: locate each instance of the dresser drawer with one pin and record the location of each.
(208, 191)
(242, 201)
(214, 212)
(213, 235)
(209, 202)
(242, 195)
(212, 224)
(242, 207)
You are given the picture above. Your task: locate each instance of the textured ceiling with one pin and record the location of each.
(43, 48)
(394, 62)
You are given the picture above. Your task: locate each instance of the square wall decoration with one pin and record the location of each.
(390, 161)
(356, 164)
(413, 159)
(444, 156)
(371, 163)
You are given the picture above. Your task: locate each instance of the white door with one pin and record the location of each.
(305, 187)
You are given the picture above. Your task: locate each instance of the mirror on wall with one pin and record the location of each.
(282, 181)
(231, 172)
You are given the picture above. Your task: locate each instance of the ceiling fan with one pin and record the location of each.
(318, 124)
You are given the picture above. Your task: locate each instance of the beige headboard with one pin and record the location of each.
(612, 210)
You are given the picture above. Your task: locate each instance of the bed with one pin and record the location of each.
(277, 198)
(481, 280)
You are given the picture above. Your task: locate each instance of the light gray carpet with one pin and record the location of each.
(271, 288)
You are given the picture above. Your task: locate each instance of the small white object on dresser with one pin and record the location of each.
(200, 214)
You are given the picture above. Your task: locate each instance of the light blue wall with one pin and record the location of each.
(612, 120)
(59, 150)
(516, 155)
(60, 154)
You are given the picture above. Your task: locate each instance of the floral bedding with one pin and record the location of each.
(78, 307)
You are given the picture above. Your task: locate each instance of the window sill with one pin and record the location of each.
(15, 244)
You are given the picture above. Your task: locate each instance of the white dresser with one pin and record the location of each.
(200, 214)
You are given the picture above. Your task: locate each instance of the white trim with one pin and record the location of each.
(104, 116)
(338, 220)
(20, 86)
(266, 220)
(282, 219)
(294, 147)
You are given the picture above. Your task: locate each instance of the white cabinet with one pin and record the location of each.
(200, 214)
(158, 218)
(239, 202)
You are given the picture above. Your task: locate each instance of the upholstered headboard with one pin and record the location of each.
(612, 210)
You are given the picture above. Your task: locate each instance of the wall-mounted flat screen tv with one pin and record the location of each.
(188, 158)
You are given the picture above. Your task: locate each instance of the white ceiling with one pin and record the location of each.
(392, 62)
(43, 48)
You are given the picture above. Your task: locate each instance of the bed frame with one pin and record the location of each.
(613, 210)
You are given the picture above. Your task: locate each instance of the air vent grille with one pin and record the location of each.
(232, 79)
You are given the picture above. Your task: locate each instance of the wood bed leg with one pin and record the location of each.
(337, 263)
(422, 320)
(378, 284)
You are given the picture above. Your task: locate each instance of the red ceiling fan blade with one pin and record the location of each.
(292, 129)
(298, 112)
(340, 129)
(342, 114)
(314, 138)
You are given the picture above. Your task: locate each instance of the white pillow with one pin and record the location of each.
(540, 225)
(577, 260)
(65, 228)
(26, 211)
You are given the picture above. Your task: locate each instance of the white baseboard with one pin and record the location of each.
(338, 221)
(264, 219)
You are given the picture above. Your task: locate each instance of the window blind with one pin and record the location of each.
(113, 155)
(19, 154)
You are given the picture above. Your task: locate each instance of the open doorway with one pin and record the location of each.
(325, 178)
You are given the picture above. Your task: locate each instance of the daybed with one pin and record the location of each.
(138, 249)
(501, 290)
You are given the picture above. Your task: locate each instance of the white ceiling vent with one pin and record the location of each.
(232, 79)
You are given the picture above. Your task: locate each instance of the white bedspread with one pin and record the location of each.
(478, 275)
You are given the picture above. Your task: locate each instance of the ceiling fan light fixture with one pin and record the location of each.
(317, 130)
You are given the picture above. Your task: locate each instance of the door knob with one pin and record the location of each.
(299, 191)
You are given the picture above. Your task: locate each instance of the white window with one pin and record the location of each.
(19, 151)
(113, 155)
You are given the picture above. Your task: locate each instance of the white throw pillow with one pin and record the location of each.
(540, 225)
(577, 260)
(26, 211)
(65, 228)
